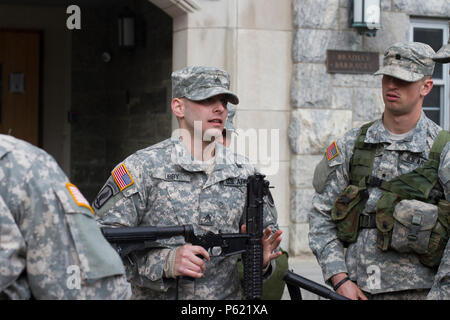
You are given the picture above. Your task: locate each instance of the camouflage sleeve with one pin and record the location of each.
(13, 284)
(115, 207)
(441, 285)
(331, 181)
(66, 255)
(444, 170)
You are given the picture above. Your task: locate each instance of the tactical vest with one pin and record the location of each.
(424, 232)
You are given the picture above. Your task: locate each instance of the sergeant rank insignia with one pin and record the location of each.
(122, 177)
(332, 151)
(80, 200)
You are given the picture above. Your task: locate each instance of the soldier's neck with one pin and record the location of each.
(401, 123)
(200, 150)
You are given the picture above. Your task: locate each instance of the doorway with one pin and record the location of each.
(19, 84)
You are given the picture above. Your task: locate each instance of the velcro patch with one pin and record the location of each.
(80, 200)
(108, 191)
(177, 177)
(122, 177)
(332, 151)
(235, 182)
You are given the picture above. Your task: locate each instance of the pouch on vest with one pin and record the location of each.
(439, 236)
(346, 211)
(385, 219)
(413, 223)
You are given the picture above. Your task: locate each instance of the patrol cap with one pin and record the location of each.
(443, 55)
(408, 61)
(198, 83)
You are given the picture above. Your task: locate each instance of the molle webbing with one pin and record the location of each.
(361, 163)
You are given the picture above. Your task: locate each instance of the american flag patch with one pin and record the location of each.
(332, 151)
(122, 177)
(80, 200)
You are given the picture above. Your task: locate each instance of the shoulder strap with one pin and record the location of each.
(361, 163)
(438, 145)
(418, 183)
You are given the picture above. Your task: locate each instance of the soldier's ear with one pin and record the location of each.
(178, 107)
(426, 87)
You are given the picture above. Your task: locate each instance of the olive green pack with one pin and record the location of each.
(420, 184)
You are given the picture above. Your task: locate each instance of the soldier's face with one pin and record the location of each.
(402, 97)
(211, 112)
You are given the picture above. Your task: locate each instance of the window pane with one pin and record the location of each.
(434, 115)
(433, 99)
(432, 37)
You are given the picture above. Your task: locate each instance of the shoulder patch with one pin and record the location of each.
(332, 151)
(122, 177)
(78, 197)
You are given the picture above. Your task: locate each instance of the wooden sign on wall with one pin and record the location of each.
(352, 62)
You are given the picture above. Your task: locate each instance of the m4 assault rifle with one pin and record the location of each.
(128, 239)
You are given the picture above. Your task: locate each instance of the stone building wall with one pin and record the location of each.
(325, 105)
(121, 106)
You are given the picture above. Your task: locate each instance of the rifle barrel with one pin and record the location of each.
(292, 278)
(148, 233)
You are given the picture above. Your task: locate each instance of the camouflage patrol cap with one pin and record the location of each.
(229, 123)
(408, 61)
(443, 54)
(198, 83)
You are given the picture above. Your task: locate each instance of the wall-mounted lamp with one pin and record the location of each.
(127, 24)
(365, 15)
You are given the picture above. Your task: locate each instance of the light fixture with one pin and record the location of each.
(127, 24)
(365, 15)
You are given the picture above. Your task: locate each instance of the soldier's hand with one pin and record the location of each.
(270, 242)
(348, 289)
(187, 263)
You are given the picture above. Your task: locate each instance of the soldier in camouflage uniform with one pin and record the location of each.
(176, 182)
(402, 139)
(443, 55)
(50, 244)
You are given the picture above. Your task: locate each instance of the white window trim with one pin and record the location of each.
(445, 82)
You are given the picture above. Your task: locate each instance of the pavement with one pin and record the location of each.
(305, 266)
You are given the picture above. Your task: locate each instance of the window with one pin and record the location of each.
(435, 33)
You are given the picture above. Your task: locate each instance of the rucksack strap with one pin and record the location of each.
(438, 145)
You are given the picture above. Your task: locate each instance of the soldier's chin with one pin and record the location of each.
(212, 134)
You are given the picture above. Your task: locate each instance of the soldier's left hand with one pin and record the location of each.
(270, 242)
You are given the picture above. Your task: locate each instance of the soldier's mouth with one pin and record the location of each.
(392, 97)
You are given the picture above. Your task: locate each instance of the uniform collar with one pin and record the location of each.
(226, 166)
(415, 142)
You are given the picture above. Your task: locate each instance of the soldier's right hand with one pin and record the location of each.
(187, 263)
(348, 289)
